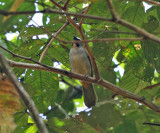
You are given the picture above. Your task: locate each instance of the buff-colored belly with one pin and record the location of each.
(81, 64)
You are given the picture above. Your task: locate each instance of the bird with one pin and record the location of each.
(80, 63)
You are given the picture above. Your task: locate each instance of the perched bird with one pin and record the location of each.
(80, 63)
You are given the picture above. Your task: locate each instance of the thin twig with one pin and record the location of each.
(70, 5)
(24, 96)
(112, 10)
(85, 12)
(72, 22)
(115, 32)
(45, 30)
(151, 86)
(104, 83)
(142, 32)
(152, 2)
(103, 40)
(52, 39)
(62, 110)
(67, 83)
(15, 55)
(148, 123)
(55, 3)
(66, 4)
(41, 27)
(65, 100)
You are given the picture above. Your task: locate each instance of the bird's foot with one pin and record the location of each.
(86, 76)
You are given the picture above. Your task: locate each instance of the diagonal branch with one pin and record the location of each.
(124, 23)
(52, 39)
(55, 35)
(115, 32)
(149, 123)
(112, 10)
(72, 22)
(85, 12)
(92, 58)
(104, 83)
(59, 6)
(152, 2)
(66, 4)
(151, 86)
(24, 96)
(74, 87)
(55, 3)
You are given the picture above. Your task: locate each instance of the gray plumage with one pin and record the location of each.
(81, 64)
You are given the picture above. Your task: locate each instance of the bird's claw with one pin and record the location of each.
(86, 76)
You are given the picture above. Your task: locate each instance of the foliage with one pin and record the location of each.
(140, 61)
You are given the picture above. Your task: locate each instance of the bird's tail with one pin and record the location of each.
(90, 97)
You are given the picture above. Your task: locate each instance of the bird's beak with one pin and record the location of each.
(74, 45)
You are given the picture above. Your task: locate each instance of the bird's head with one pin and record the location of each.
(76, 45)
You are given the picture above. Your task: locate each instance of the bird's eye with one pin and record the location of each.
(77, 44)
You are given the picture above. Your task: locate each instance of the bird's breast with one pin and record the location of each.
(80, 63)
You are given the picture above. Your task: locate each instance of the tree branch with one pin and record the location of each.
(24, 96)
(92, 58)
(52, 39)
(104, 83)
(152, 2)
(79, 29)
(103, 40)
(154, 124)
(120, 21)
(65, 100)
(112, 10)
(151, 86)
(85, 12)
(55, 3)
(67, 83)
(66, 4)
(115, 32)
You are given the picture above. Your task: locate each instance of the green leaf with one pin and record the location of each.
(151, 53)
(128, 126)
(136, 61)
(86, 27)
(44, 86)
(158, 12)
(151, 21)
(131, 83)
(69, 125)
(135, 14)
(104, 53)
(31, 129)
(58, 53)
(102, 117)
(21, 118)
(18, 22)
